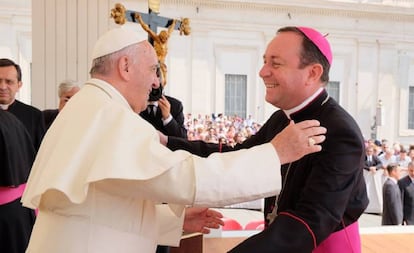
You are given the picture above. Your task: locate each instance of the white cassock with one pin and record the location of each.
(101, 174)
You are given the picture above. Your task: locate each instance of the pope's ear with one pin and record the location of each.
(123, 67)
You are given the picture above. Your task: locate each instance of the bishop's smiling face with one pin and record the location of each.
(285, 82)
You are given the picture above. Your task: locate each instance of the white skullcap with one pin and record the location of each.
(115, 40)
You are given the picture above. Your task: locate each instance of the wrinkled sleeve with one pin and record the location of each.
(170, 226)
(219, 180)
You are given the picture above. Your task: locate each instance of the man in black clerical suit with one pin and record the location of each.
(406, 185)
(323, 194)
(66, 90)
(10, 84)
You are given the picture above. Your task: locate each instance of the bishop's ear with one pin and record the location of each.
(315, 72)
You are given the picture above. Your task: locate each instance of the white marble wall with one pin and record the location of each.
(373, 51)
(16, 40)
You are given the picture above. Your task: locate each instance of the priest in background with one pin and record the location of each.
(10, 84)
(67, 89)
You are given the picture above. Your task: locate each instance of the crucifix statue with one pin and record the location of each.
(150, 22)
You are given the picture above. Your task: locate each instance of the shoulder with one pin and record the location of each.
(50, 113)
(337, 115)
(27, 107)
(403, 181)
(6, 117)
(388, 184)
(25, 112)
(344, 134)
(339, 122)
(388, 181)
(277, 115)
(275, 120)
(176, 105)
(173, 100)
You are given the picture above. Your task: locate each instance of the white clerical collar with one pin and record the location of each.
(303, 104)
(5, 107)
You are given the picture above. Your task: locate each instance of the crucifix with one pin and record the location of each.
(150, 22)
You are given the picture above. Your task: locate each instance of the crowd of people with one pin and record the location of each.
(384, 152)
(392, 166)
(220, 128)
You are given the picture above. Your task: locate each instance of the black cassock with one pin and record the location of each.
(49, 116)
(17, 156)
(32, 119)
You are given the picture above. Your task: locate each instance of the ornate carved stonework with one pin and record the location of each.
(318, 8)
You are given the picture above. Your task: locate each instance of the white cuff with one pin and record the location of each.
(167, 120)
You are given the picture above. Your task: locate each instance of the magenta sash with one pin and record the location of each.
(346, 240)
(9, 194)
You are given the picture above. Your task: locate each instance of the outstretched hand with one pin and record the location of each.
(201, 219)
(298, 140)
